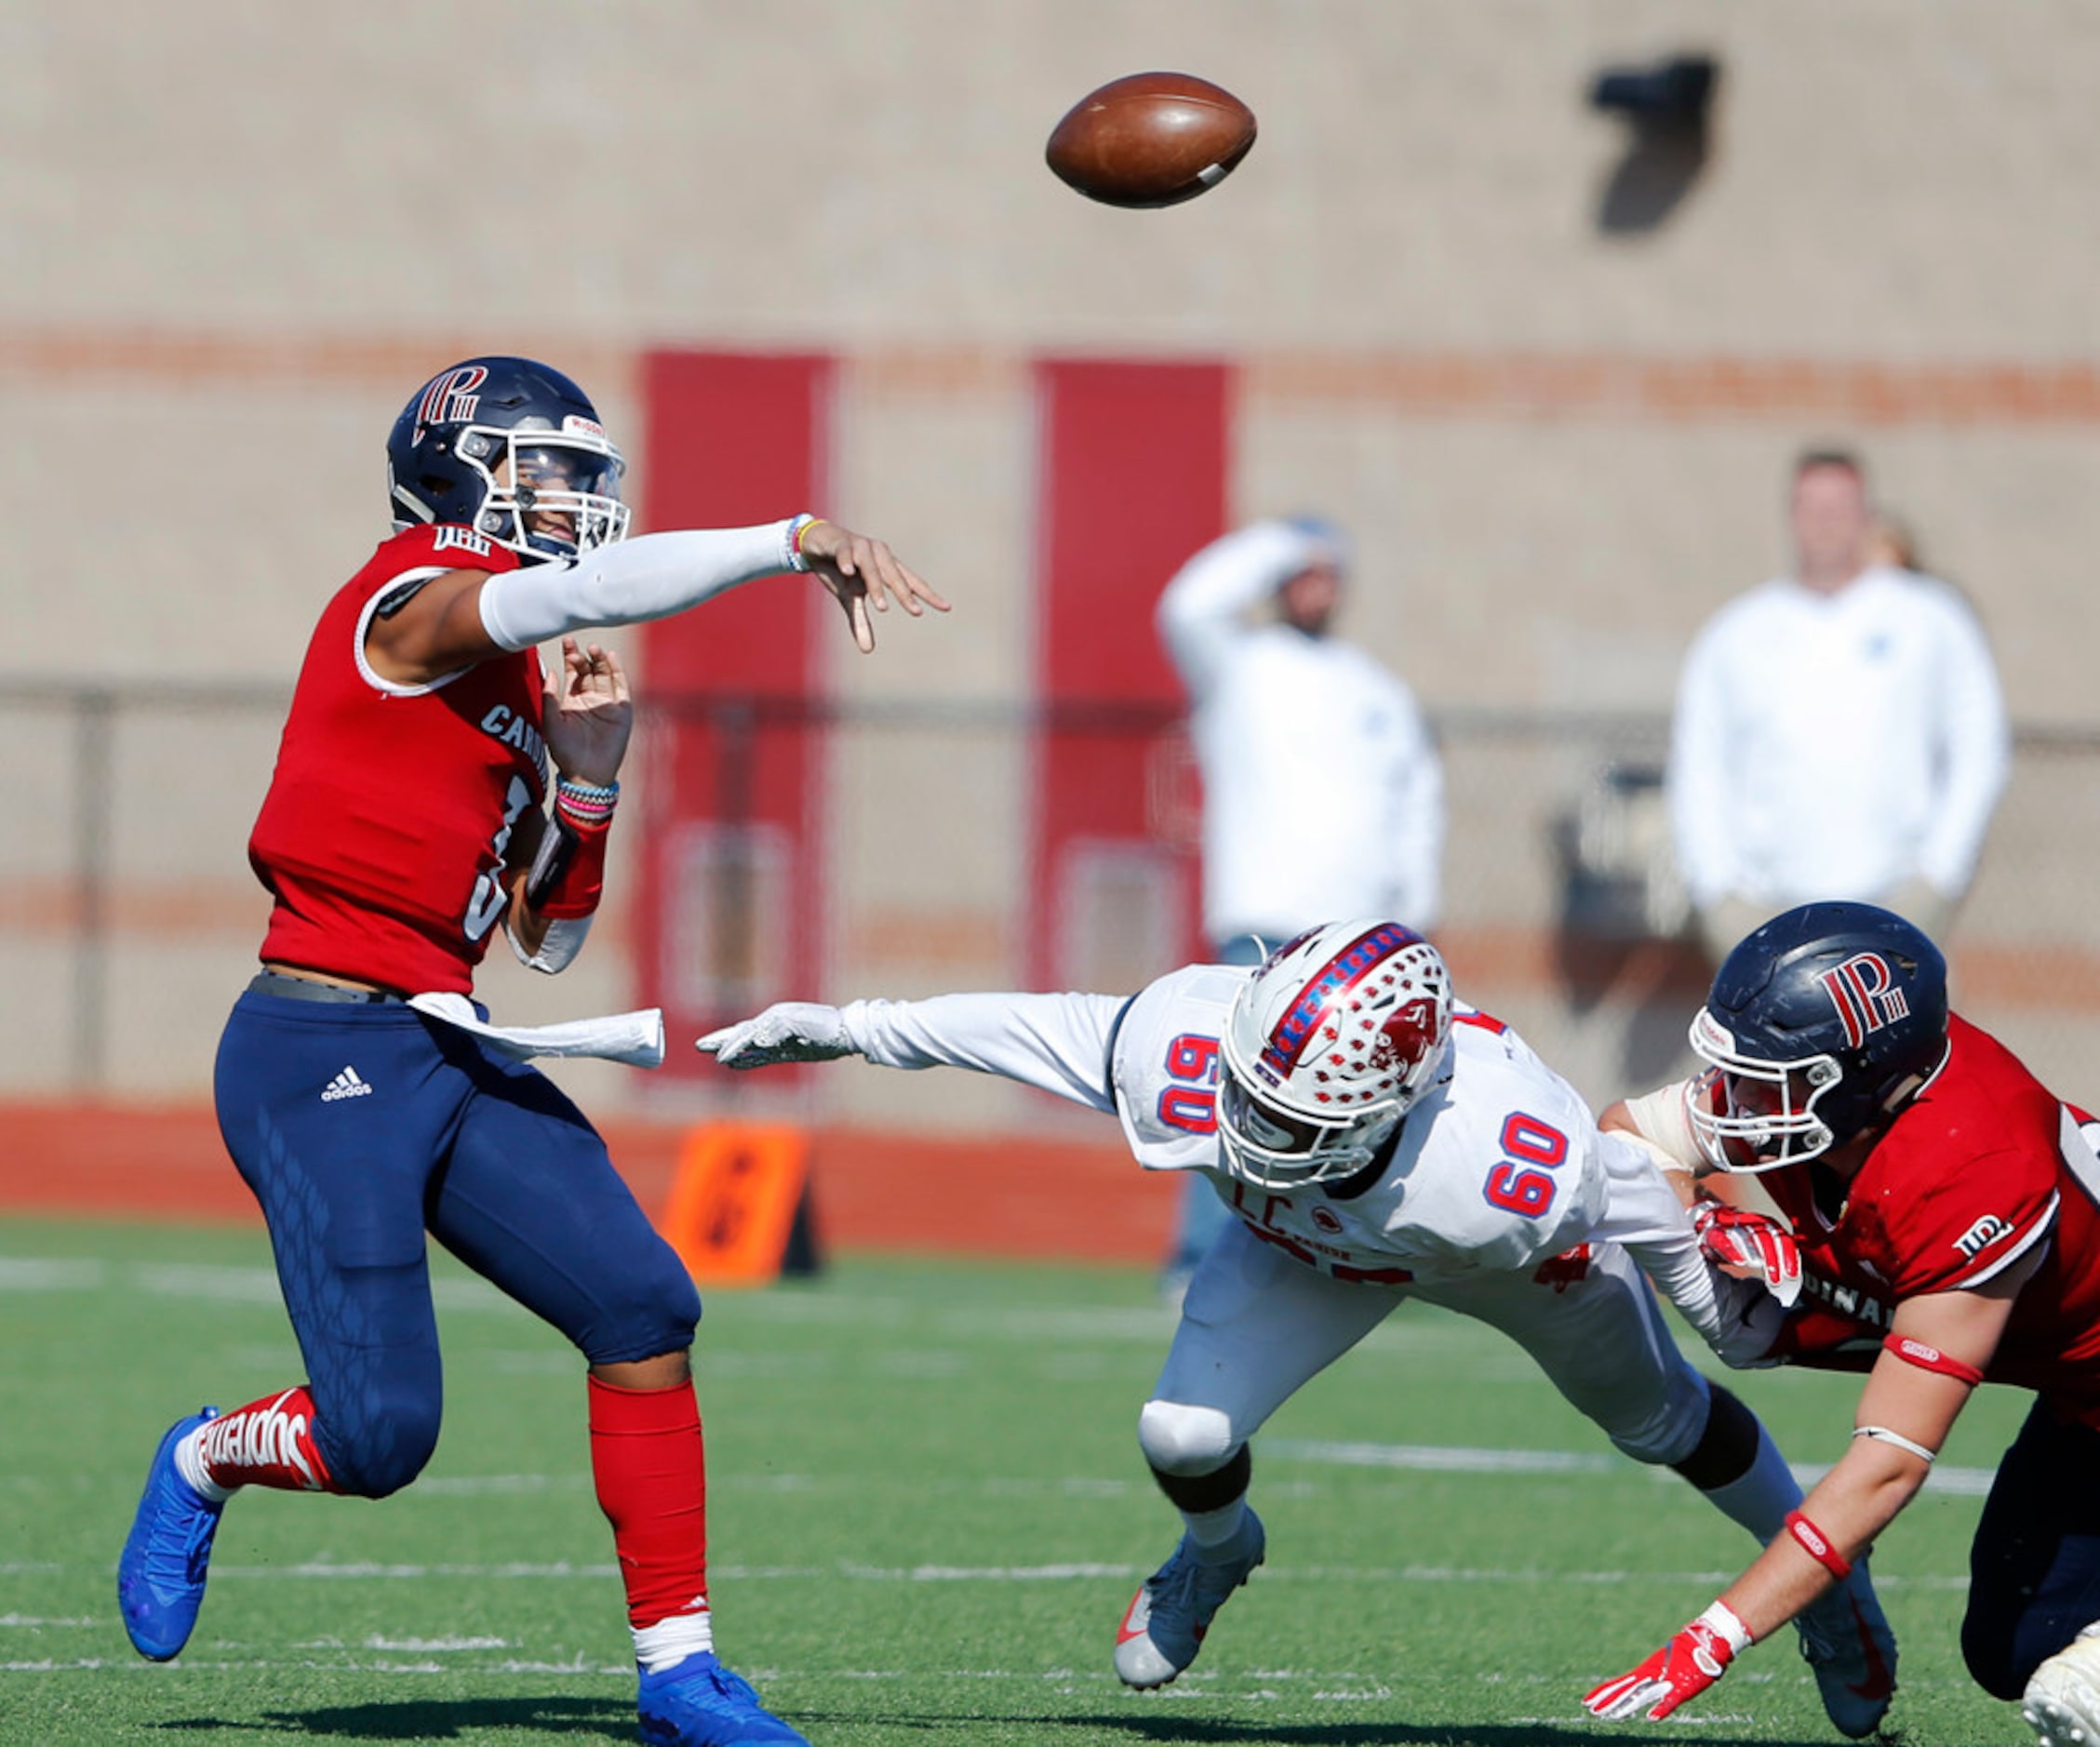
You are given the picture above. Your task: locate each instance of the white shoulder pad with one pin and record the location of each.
(1165, 1064)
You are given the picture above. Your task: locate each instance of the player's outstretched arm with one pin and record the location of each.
(469, 616)
(1058, 1043)
(1941, 1343)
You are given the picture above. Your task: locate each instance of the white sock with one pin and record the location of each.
(189, 1463)
(1760, 1500)
(1212, 1529)
(669, 1642)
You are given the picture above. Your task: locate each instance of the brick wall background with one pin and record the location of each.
(236, 236)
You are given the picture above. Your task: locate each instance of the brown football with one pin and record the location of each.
(1151, 139)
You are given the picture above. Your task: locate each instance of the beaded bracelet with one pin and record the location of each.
(587, 803)
(796, 527)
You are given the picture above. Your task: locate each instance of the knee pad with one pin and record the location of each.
(1178, 1439)
(380, 1445)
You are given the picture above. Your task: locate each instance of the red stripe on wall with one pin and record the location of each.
(1131, 478)
(731, 911)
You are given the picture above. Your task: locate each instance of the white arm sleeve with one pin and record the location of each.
(649, 577)
(1202, 609)
(1645, 1217)
(1059, 1042)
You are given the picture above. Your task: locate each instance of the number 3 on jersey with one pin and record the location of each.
(490, 897)
(1191, 1105)
(1519, 1185)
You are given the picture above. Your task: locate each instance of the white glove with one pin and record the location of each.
(788, 1031)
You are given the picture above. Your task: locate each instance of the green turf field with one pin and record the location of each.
(928, 1514)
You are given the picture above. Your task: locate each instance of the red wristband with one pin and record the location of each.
(1931, 1359)
(1818, 1546)
(575, 888)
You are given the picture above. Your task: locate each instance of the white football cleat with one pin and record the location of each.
(1851, 1649)
(1164, 1625)
(2062, 1704)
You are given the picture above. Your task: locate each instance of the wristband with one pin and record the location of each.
(588, 804)
(1723, 1622)
(1931, 1359)
(798, 526)
(1818, 1546)
(567, 875)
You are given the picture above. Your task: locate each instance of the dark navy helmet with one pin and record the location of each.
(512, 450)
(1821, 1025)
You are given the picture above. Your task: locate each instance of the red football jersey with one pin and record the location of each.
(1985, 1164)
(383, 832)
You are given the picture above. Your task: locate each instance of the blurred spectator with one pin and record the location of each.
(1839, 732)
(1323, 795)
(1890, 542)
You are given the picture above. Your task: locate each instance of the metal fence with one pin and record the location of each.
(127, 915)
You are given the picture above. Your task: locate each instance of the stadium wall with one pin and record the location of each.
(238, 237)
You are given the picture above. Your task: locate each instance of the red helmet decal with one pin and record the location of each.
(1864, 991)
(1407, 1037)
(450, 398)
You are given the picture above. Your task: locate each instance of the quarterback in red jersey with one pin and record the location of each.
(1937, 1226)
(369, 1104)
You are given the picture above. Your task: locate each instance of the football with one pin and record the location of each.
(1150, 139)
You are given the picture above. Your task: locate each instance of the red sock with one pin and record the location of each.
(267, 1443)
(651, 1473)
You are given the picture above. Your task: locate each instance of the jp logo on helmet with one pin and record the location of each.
(1864, 991)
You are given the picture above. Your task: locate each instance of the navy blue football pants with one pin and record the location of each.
(361, 1127)
(2034, 1568)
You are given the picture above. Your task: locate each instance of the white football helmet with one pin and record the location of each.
(1326, 1048)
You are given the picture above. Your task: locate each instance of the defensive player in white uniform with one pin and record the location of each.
(1378, 1142)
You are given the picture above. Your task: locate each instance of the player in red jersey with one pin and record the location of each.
(1933, 1222)
(367, 1102)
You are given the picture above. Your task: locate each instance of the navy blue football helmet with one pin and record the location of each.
(512, 450)
(1821, 1025)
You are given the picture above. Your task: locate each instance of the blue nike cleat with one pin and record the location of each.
(698, 1702)
(160, 1579)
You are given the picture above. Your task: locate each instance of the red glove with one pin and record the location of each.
(1682, 1669)
(1735, 1238)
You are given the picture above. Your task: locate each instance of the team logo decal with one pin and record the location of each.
(1327, 1221)
(450, 398)
(1405, 1038)
(1864, 991)
(1982, 1234)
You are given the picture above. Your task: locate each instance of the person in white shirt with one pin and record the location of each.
(1323, 795)
(1374, 1141)
(1840, 734)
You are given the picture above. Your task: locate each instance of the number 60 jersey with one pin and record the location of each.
(1499, 1168)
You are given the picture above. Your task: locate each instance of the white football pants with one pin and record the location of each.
(1256, 1325)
